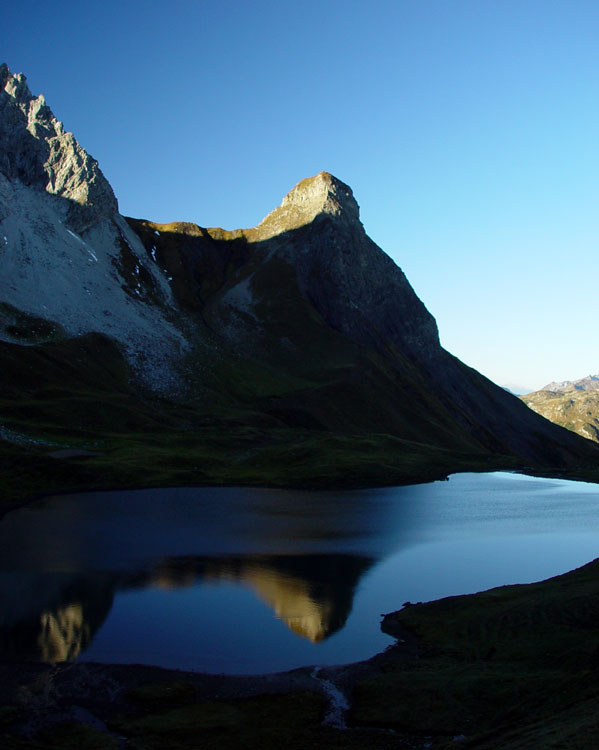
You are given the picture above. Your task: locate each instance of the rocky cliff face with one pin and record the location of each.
(67, 255)
(36, 150)
(311, 251)
(356, 288)
(307, 292)
(301, 323)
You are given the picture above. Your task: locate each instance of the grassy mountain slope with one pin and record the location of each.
(576, 410)
(79, 395)
(510, 667)
(362, 342)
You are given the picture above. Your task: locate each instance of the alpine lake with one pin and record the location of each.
(249, 581)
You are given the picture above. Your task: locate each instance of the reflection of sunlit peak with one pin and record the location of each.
(311, 627)
(292, 603)
(64, 633)
(288, 595)
(168, 576)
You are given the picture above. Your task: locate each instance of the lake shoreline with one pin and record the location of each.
(591, 477)
(289, 563)
(514, 666)
(46, 696)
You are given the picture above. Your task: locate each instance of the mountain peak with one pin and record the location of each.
(15, 84)
(321, 194)
(35, 149)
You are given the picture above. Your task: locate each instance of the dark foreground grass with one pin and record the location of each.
(514, 667)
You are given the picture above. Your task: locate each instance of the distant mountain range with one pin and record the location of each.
(590, 383)
(294, 353)
(573, 404)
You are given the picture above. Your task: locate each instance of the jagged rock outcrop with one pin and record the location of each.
(313, 250)
(36, 150)
(67, 255)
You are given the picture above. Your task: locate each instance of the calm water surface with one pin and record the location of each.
(243, 581)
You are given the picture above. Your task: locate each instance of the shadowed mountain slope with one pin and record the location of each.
(292, 353)
(308, 294)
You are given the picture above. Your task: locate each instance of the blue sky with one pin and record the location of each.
(467, 130)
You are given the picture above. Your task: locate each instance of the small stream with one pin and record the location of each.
(338, 703)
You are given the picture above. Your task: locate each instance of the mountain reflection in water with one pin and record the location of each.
(63, 561)
(312, 595)
(51, 617)
(245, 581)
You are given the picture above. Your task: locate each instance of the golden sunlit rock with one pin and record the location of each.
(290, 597)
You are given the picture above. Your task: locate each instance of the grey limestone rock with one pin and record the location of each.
(313, 196)
(353, 284)
(67, 255)
(35, 149)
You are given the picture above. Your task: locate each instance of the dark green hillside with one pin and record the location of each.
(511, 667)
(79, 395)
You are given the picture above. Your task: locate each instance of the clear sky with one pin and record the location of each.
(468, 130)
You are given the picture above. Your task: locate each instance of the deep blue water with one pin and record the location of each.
(241, 581)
